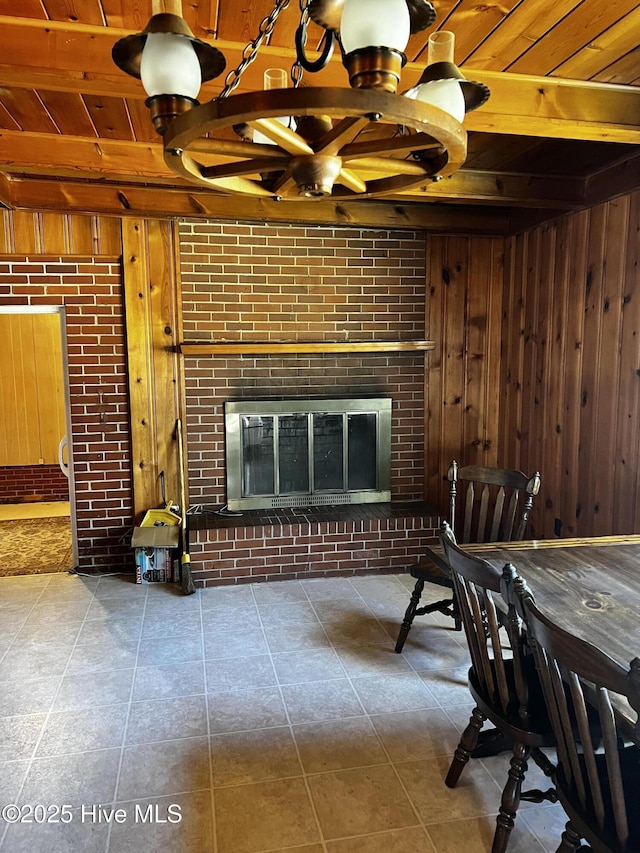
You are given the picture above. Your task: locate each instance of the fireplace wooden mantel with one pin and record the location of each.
(199, 348)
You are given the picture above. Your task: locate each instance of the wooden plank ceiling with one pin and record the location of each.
(560, 131)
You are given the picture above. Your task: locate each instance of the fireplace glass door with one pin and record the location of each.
(296, 453)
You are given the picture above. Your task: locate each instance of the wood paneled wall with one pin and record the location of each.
(571, 368)
(463, 316)
(27, 232)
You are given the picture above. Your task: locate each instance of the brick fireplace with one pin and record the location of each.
(272, 284)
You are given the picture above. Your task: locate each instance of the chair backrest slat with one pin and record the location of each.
(510, 517)
(495, 506)
(579, 683)
(484, 510)
(476, 583)
(468, 512)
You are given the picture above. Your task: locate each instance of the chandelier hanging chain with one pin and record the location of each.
(326, 45)
(251, 50)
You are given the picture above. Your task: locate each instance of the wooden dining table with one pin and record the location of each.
(589, 587)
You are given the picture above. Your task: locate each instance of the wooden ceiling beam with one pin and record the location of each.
(23, 153)
(95, 198)
(52, 55)
(617, 179)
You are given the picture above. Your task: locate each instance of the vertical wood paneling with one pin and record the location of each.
(512, 353)
(150, 311)
(582, 313)
(164, 296)
(464, 304)
(26, 232)
(626, 491)
(433, 392)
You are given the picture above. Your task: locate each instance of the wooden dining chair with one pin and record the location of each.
(502, 680)
(597, 777)
(494, 507)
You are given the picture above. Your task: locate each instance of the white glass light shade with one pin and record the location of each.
(374, 23)
(169, 66)
(445, 94)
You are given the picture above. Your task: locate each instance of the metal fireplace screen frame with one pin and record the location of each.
(296, 452)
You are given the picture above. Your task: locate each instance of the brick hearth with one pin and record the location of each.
(312, 542)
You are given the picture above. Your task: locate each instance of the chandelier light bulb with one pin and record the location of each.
(169, 66)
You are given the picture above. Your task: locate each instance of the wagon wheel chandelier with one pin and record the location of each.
(307, 142)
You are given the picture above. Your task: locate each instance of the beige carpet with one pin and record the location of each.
(34, 546)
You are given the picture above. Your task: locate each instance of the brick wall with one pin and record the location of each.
(91, 291)
(33, 483)
(259, 282)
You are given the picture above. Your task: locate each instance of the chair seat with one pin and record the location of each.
(430, 572)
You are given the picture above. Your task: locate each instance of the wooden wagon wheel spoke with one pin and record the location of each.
(287, 139)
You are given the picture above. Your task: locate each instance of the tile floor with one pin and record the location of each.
(271, 717)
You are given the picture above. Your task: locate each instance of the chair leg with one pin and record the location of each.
(570, 840)
(468, 743)
(510, 797)
(409, 615)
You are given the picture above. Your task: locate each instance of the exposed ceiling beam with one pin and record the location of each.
(52, 55)
(617, 179)
(46, 194)
(131, 162)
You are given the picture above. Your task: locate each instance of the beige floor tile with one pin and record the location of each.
(377, 659)
(321, 700)
(69, 837)
(476, 836)
(423, 733)
(322, 589)
(265, 816)
(413, 840)
(338, 745)
(159, 769)
(19, 736)
(84, 690)
(186, 827)
(384, 694)
(162, 682)
(254, 756)
(308, 665)
(475, 794)
(355, 802)
(235, 673)
(83, 730)
(85, 777)
(286, 613)
(235, 710)
(28, 697)
(226, 643)
(166, 719)
(361, 630)
(293, 638)
(278, 593)
(546, 822)
(12, 775)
